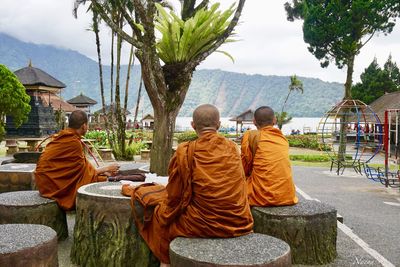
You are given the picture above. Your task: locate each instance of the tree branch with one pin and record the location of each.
(101, 11)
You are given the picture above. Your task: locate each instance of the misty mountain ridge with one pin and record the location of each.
(233, 93)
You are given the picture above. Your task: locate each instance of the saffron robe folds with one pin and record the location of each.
(210, 202)
(63, 168)
(269, 174)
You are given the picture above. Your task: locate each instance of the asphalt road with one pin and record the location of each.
(370, 210)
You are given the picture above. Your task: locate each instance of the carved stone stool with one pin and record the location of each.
(309, 227)
(16, 177)
(104, 233)
(244, 251)
(28, 245)
(29, 207)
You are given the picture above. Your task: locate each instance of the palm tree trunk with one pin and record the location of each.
(118, 112)
(280, 124)
(128, 77)
(98, 48)
(138, 99)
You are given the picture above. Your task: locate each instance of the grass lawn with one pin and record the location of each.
(311, 164)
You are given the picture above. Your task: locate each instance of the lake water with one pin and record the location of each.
(302, 124)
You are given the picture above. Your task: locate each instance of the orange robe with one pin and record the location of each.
(210, 203)
(63, 168)
(269, 174)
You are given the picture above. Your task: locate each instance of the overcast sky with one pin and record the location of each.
(268, 45)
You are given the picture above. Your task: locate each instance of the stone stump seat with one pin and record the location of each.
(30, 208)
(17, 177)
(28, 245)
(104, 233)
(244, 251)
(309, 227)
(105, 153)
(145, 154)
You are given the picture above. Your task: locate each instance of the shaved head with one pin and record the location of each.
(77, 119)
(264, 116)
(206, 117)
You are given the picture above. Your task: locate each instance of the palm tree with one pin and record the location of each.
(282, 118)
(295, 85)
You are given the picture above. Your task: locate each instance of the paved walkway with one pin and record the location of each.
(371, 229)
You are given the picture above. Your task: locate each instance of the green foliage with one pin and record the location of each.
(186, 136)
(100, 138)
(335, 30)
(306, 141)
(282, 118)
(310, 158)
(14, 101)
(375, 81)
(183, 40)
(130, 150)
(295, 85)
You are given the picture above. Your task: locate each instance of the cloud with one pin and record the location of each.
(269, 44)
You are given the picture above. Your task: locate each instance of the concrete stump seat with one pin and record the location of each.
(16, 177)
(145, 154)
(29, 207)
(309, 227)
(106, 153)
(28, 245)
(244, 251)
(104, 233)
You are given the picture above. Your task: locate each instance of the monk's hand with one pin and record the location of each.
(109, 170)
(112, 169)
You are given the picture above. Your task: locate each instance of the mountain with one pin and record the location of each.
(232, 92)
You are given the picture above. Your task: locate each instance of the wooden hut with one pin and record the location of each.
(244, 118)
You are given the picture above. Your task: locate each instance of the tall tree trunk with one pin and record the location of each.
(118, 112)
(128, 77)
(280, 124)
(345, 111)
(138, 99)
(112, 69)
(349, 78)
(161, 149)
(103, 101)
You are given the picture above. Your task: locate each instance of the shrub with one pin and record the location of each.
(310, 158)
(186, 136)
(307, 141)
(99, 136)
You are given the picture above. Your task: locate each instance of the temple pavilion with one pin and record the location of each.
(44, 91)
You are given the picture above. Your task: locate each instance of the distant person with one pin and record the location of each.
(298, 132)
(63, 168)
(265, 159)
(206, 191)
(293, 132)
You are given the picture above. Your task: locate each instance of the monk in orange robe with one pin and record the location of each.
(63, 168)
(265, 159)
(206, 190)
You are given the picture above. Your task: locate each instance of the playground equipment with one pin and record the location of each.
(351, 133)
(392, 146)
